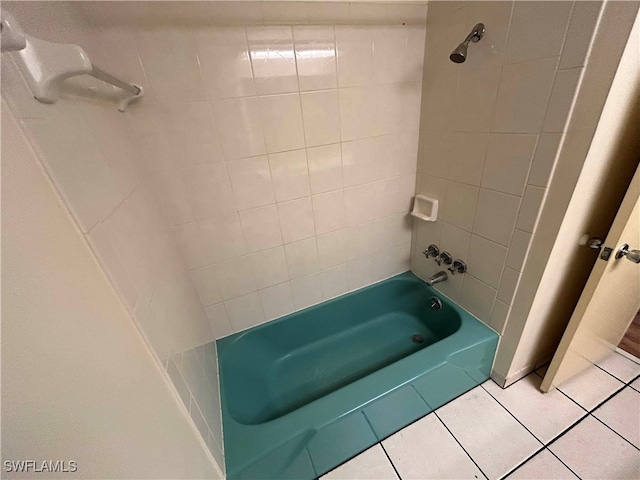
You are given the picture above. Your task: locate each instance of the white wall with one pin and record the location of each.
(78, 381)
(92, 157)
(489, 136)
(94, 160)
(283, 157)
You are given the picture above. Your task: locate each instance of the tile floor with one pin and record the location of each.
(589, 429)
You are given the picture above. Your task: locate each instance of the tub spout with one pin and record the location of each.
(441, 276)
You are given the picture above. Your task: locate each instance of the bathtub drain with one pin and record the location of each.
(417, 338)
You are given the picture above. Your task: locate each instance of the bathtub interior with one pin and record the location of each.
(306, 355)
(304, 393)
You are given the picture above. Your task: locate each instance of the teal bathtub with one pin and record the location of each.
(305, 392)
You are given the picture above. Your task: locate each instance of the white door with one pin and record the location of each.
(610, 300)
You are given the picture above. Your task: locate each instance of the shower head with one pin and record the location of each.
(459, 55)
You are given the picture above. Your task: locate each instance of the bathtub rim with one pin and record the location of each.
(226, 342)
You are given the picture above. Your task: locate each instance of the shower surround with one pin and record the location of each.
(284, 159)
(490, 133)
(288, 159)
(267, 168)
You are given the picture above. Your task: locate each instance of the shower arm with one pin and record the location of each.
(475, 35)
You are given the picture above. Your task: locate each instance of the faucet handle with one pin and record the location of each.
(445, 257)
(458, 266)
(432, 251)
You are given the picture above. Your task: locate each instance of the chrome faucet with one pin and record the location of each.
(439, 277)
(431, 251)
(458, 267)
(445, 257)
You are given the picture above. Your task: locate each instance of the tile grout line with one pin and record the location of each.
(603, 401)
(616, 392)
(381, 446)
(390, 461)
(458, 442)
(627, 385)
(544, 445)
(509, 412)
(562, 434)
(560, 460)
(558, 437)
(514, 469)
(611, 374)
(614, 431)
(584, 409)
(588, 414)
(565, 431)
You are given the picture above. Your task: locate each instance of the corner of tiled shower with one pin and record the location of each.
(490, 132)
(271, 167)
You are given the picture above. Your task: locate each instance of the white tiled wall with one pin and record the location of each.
(91, 154)
(194, 373)
(99, 165)
(490, 131)
(75, 355)
(267, 168)
(290, 158)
